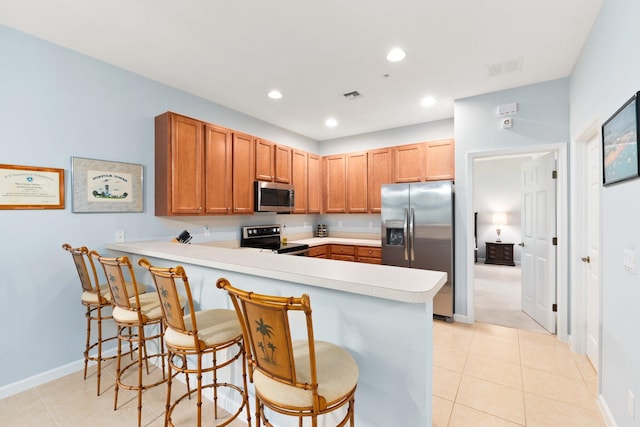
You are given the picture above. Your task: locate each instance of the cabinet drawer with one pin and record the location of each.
(342, 250)
(343, 257)
(318, 251)
(368, 252)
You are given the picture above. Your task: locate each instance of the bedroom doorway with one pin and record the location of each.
(497, 270)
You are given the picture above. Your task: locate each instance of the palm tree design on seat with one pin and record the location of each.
(266, 331)
(167, 305)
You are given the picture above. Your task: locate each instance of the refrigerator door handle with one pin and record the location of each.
(406, 241)
(412, 233)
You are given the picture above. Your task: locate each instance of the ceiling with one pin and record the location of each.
(233, 52)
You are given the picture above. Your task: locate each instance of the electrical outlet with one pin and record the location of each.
(629, 260)
(120, 236)
(631, 403)
(370, 224)
(339, 224)
(207, 232)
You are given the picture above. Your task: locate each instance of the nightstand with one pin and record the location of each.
(499, 253)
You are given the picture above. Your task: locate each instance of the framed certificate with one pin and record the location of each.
(31, 187)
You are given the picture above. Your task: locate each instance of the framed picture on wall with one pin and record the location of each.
(620, 144)
(104, 186)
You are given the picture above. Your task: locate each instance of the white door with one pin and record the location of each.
(592, 261)
(538, 230)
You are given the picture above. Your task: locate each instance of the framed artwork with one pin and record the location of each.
(104, 186)
(620, 144)
(31, 187)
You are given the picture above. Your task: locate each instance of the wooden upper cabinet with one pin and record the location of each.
(335, 183)
(356, 183)
(179, 162)
(380, 171)
(408, 161)
(243, 173)
(440, 160)
(300, 181)
(265, 160)
(314, 180)
(273, 162)
(282, 165)
(218, 144)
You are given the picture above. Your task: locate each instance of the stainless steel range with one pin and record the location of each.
(268, 237)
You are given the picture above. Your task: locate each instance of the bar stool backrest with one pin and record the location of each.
(88, 279)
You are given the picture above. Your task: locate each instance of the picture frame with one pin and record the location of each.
(31, 187)
(620, 154)
(106, 186)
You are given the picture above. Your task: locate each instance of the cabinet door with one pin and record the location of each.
(300, 181)
(186, 166)
(335, 184)
(264, 160)
(218, 170)
(380, 171)
(408, 163)
(243, 173)
(356, 198)
(318, 251)
(282, 164)
(440, 160)
(314, 196)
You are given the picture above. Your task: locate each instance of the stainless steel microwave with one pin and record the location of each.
(273, 197)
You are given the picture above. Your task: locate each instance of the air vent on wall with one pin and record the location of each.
(352, 95)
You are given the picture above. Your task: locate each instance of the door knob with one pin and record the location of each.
(521, 244)
(586, 259)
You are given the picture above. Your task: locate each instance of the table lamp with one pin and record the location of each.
(499, 219)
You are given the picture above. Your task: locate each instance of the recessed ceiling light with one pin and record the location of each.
(428, 101)
(275, 94)
(396, 54)
(331, 122)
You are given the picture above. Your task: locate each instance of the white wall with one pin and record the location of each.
(542, 118)
(430, 131)
(606, 75)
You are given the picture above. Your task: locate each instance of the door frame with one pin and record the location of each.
(562, 289)
(578, 337)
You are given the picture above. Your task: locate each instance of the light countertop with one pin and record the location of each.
(381, 281)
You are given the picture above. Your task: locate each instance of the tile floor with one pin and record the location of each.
(494, 376)
(484, 375)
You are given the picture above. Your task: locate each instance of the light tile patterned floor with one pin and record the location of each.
(484, 375)
(488, 375)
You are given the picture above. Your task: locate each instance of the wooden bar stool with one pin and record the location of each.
(301, 378)
(132, 313)
(95, 298)
(198, 334)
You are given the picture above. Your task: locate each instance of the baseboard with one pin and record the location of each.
(462, 318)
(45, 377)
(605, 412)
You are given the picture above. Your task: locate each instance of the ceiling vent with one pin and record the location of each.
(352, 95)
(509, 66)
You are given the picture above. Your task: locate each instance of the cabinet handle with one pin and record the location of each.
(586, 259)
(200, 208)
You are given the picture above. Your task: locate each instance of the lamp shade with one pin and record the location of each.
(499, 218)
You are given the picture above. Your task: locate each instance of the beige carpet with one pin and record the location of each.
(496, 297)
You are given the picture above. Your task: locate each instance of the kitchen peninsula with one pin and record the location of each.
(382, 315)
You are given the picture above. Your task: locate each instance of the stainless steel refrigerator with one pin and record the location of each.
(417, 232)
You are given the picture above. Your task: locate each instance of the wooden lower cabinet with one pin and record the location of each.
(343, 252)
(352, 253)
(369, 254)
(319, 251)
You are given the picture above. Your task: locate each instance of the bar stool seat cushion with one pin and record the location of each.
(337, 374)
(215, 326)
(150, 308)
